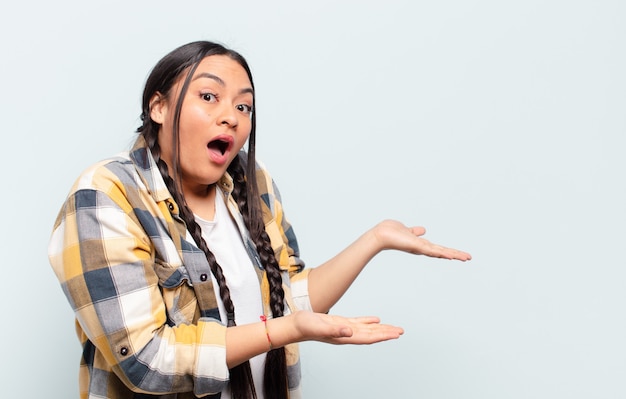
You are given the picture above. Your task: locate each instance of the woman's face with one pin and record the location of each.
(215, 120)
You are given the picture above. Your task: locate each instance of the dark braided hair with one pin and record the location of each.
(182, 62)
(275, 375)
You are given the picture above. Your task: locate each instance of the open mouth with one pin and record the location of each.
(221, 145)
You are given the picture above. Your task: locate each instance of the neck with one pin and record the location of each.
(201, 201)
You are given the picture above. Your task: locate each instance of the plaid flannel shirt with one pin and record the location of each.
(146, 313)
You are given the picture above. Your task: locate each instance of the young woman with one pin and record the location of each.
(178, 261)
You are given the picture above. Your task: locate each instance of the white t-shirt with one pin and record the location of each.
(224, 241)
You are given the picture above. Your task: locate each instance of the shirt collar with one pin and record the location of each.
(149, 172)
(226, 184)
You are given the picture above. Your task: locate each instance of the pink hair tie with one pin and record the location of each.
(269, 340)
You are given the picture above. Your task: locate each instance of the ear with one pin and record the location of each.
(158, 108)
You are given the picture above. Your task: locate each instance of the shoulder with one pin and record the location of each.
(102, 175)
(268, 191)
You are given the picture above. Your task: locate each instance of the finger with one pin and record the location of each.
(371, 333)
(438, 251)
(452, 253)
(418, 230)
(365, 319)
(455, 254)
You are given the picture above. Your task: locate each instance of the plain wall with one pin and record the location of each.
(499, 126)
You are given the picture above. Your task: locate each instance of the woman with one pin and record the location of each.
(183, 273)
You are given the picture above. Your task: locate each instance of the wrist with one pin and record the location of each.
(374, 240)
(267, 332)
(283, 331)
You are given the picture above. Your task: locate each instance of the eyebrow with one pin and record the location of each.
(221, 82)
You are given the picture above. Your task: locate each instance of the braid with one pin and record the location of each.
(216, 269)
(242, 385)
(246, 196)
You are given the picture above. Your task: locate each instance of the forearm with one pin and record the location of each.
(249, 340)
(246, 341)
(329, 281)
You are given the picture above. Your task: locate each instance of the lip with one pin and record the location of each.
(219, 148)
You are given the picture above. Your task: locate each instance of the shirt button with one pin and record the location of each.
(124, 351)
(203, 277)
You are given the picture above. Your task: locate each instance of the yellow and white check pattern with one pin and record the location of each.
(146, 314)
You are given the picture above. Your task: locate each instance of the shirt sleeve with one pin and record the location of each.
(105, 261)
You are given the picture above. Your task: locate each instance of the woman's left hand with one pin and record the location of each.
(391, 234)
(329, 281)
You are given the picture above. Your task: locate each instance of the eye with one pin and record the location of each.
(245, 108)
(209, 97)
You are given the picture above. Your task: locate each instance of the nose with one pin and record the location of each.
(228, 117)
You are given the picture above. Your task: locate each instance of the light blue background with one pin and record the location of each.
(498, 125)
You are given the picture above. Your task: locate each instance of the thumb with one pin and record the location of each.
(418, 230)
(344, 332)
